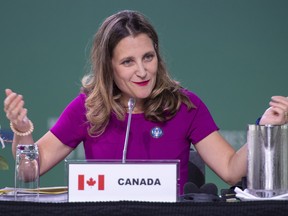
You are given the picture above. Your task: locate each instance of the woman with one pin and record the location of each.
(167, 118)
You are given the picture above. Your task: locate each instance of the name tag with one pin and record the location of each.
(97, 181)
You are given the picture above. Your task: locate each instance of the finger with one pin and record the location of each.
(12, 101)
(8, 100)
(19, 120)
(22, 115)
(8, 92)
(278, 112)
(277, 97)
(280, 99)
(16, 105)
(13, 113)
(282, 106)
(279, 116)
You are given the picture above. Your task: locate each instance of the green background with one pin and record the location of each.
(233, 54)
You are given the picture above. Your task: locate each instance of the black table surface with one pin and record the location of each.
(243, 208)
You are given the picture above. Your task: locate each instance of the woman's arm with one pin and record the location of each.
(51, 149)
(17, 115)
(220, 156)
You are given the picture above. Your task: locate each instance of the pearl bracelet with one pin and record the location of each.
(20, 133)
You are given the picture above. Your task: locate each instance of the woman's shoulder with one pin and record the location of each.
(77, 103)
(80, 98)
(194, 98)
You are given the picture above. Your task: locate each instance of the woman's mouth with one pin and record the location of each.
(144, 83)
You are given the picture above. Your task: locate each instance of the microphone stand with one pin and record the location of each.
(131, 105)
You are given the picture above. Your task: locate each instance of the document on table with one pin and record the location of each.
(46, 194)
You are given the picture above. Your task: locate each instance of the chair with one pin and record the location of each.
(196, 169)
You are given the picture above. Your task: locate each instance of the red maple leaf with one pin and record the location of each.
(91, 182)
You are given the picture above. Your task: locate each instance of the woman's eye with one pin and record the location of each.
(127, 62)
(148, 57)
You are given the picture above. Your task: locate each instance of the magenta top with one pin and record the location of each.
(147, 140)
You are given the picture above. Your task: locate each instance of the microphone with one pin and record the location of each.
(131, 105)
(206, 193)
(209, 188)
(190, 187)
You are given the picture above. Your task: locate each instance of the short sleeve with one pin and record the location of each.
(71, 126)
(203, 123)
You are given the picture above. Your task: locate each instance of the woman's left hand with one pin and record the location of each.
(277, 113)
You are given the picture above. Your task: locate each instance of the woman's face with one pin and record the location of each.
(135, 65)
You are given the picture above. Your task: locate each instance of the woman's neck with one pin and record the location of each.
(137, 110)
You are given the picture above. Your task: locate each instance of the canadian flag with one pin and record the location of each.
(90, 182)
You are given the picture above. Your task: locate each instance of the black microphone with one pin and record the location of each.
(131, 105)
(190, 187)
(206, 193)
(209, 188)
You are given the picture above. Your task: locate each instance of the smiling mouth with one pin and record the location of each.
(144, 83)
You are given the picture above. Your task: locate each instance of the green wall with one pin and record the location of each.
(233, 54)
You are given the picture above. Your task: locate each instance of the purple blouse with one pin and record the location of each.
(147, 140)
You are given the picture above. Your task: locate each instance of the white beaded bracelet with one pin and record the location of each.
(20, 133)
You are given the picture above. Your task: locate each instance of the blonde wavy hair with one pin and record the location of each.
(103, 96)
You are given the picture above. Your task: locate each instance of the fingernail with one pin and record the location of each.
(25, 119)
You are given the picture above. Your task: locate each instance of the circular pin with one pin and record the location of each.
(156, 132)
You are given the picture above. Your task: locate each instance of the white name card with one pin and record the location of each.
(122, 181)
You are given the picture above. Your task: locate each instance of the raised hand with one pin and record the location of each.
(277, 113)
(15, 111)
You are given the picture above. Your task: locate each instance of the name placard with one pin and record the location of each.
(94, 181)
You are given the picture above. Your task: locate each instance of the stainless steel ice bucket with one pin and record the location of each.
(267, 160)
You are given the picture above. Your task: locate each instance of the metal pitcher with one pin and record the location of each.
(267, 160)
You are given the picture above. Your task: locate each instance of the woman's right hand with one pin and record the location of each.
(15, 111)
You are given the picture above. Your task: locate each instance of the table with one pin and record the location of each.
(275, 208)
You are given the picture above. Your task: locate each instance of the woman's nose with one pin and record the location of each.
(141, 70)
